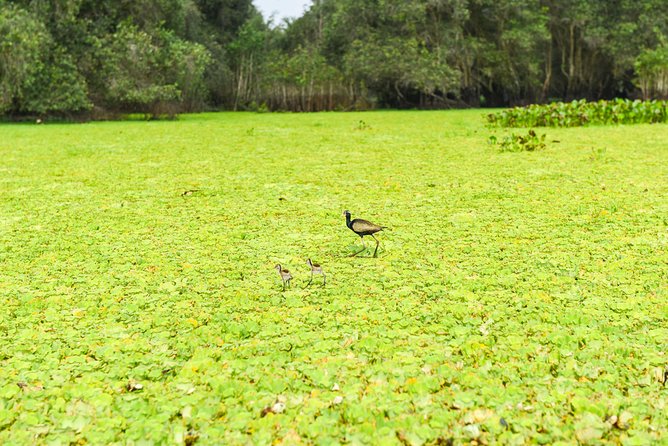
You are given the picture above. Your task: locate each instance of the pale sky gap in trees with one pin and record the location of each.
(281, 8)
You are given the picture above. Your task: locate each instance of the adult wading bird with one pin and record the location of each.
(316, 269)
(362, 228)
(286, 277)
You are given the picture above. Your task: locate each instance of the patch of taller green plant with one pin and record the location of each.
(582, 113)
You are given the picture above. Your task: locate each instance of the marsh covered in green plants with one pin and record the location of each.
(518, 298)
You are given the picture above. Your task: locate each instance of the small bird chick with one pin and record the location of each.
(316, 269)
(286, 277)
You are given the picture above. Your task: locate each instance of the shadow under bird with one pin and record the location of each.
(362, 228)
(286, 277)
(316, 269)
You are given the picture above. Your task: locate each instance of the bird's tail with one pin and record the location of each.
(386, 228)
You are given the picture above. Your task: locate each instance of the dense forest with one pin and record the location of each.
(102, 58)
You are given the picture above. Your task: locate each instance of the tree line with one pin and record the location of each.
(101, 58)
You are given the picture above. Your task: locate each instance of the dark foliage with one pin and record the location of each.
(160, 57)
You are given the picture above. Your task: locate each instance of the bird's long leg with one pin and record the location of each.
(284, 285)
(377, 243)
(362, 250)
(324, 279)
(309, 282)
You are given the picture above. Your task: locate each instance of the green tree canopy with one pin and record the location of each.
(84, 57)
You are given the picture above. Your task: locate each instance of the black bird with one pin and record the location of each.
(286, 277)
(362, 228)
(316, 269)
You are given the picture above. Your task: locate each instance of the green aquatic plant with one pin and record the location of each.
(517, 300)
(581, 113)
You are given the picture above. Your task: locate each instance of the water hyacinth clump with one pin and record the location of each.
(581, 113)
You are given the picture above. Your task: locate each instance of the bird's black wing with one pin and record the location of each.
(358, 225)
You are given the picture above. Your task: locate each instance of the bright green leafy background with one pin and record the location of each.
(525, 286)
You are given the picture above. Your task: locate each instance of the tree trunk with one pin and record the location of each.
(548, 74)
(571, 59)
(239, 84)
